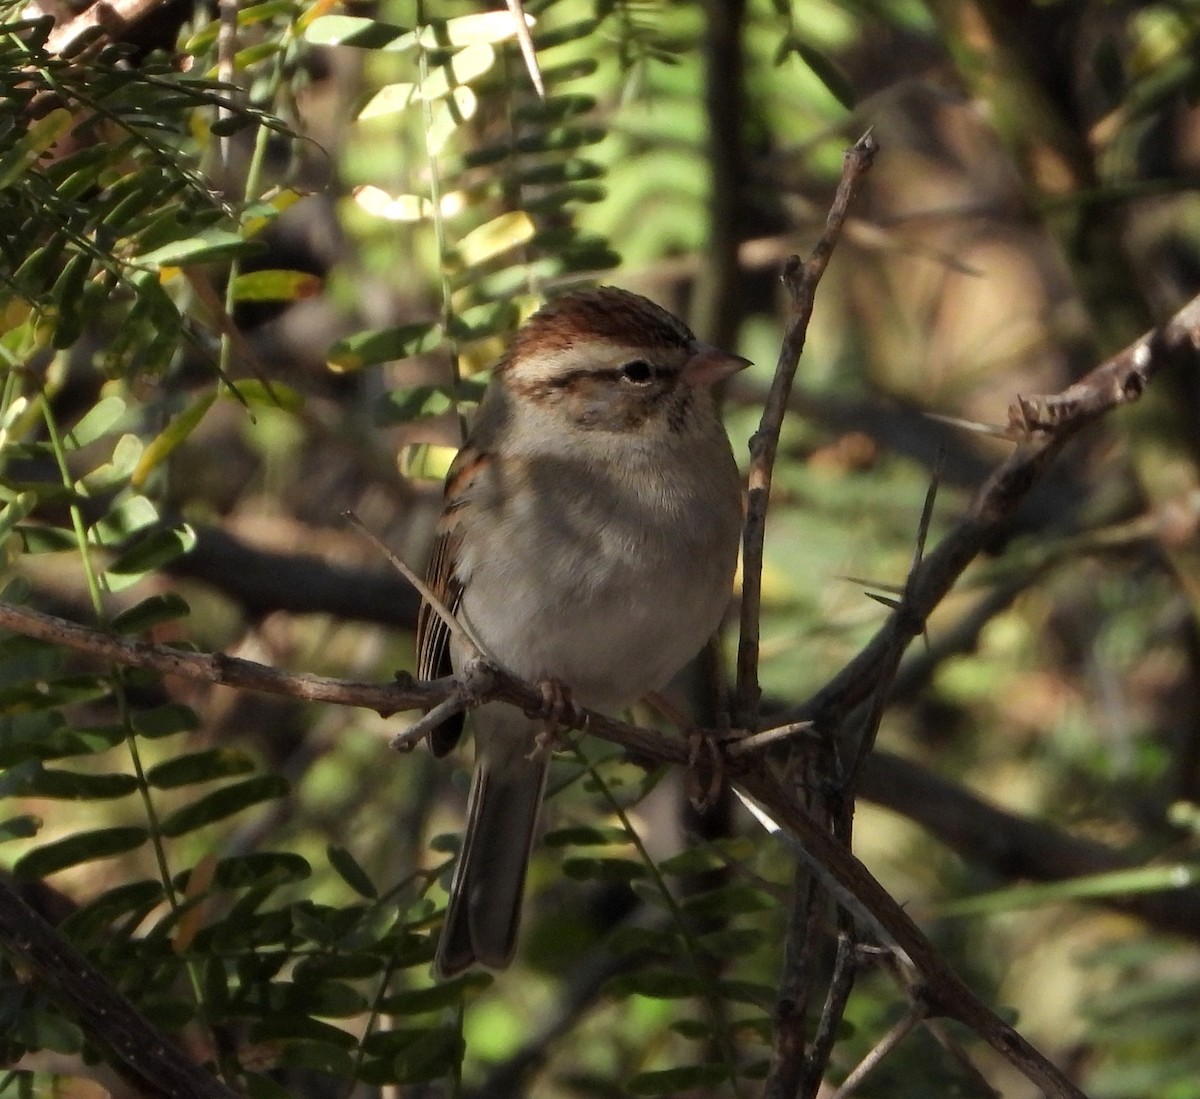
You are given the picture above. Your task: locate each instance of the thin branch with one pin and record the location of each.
(85, 995)
(716, 307)
(976, 1078)
(459, 628)
(801, 281)
(882, 1048)
(841, 983)
(219, 669)
(384, 698)
(528, 53)
(886, 675)
(1048, 422)
(943, 990)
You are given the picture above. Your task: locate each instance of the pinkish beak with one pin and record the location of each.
(710, 365)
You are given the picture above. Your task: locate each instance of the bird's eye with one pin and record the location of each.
(639, 372)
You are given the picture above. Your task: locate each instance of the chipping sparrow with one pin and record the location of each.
(588, 539)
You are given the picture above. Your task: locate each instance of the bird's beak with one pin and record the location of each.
(710, 365)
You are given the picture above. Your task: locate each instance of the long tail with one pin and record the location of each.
(484, 911)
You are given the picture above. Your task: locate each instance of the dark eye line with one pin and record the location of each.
(618, 374)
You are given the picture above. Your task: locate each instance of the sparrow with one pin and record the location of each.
(588, 540)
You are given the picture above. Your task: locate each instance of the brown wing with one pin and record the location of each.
(433, 635)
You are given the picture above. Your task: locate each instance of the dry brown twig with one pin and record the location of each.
(801, 281)
(1042, 426)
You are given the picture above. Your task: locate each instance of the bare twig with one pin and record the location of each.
(890, 665)
(461, 631)
(943, 1038)
(882, 1048)
(845, 970)
(756, 742)
(801, 281)
(525, 39)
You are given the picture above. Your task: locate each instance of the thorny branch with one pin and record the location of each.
(801, 282)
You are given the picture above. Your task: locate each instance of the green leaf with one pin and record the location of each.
(263, 1087)
(179, 428)
(827, 71)
(156, 549)
(585, 836)
(77, 785)
(1140, 879)
(571, 170)
(67, 293)
(414, 1053)
(403, 406)
(205, 247)
(733, 942)
(40, 539)
(100, 843)
(22, 154)
(243, 59)
(328, 999)
(695, 860)
(630, 939)
(734, 899)
(20, 828)
(495, 237)
(366, 34)
(273, 394)
(566, 32)
(224, 803)
(14, 511)
(673, 1081)
(351, 873)
(382, 345)
(129, 516)
(63, 691)
(605, 870)
(657, 984)
(320, 1057)
(417, 1001)
(129, 902)
(276, 285)
(165, 720)
(300, 1026)
(481, 321)
(152, 611)
(345, 967)
(261, 867)
(49, 1032)
(694, 1030)
(554, 108)
(202, 766)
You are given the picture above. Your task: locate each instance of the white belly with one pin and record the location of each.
(613, 608)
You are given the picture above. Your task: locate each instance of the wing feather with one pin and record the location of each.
(433, 635)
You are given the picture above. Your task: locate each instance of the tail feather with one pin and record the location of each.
(484, 912)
